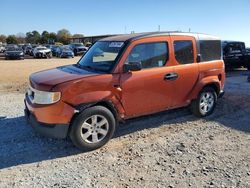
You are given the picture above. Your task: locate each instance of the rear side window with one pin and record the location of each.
(184, 52)
(149, 54)
(210, 50)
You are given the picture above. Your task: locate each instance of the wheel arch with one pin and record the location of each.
(213, 85)
(210, 81)
(105, 103)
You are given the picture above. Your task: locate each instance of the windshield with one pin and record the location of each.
(13, 49)
(234, 48)
(101, 56)
(65, 48)
(78, 45)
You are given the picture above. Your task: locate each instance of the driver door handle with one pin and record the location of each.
(171, 76)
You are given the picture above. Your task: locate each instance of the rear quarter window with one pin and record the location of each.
(210, 50)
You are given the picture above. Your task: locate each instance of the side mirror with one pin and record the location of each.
(132, 66)
(198, 58)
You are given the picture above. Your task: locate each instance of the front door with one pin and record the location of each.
(150, 89)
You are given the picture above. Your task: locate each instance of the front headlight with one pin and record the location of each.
(21, 53)
(43, 97)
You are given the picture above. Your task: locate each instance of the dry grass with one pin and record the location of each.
(14, 74)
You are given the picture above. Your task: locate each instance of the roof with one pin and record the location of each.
(93, 36)
(134, 36)
(231, 41)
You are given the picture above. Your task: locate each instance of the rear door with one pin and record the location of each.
(186, 68)
(147, 91)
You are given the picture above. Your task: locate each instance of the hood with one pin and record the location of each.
(44, 51)
(46, 80)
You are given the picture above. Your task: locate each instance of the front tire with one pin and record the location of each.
(205, 103)
(75, 52)
(92, 128)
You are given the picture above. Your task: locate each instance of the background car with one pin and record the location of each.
(234, 54)
(88, 44)
(28, 50)
(64, 51)
(24, 46)
(32, 50)
(42, 52)
(54, 49)
(13, 52)
(78, 48)
(2, 49)
(247, 58)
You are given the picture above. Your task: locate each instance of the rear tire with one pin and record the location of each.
(205, 103)
(92, 128)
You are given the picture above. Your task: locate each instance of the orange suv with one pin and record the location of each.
(122, 77)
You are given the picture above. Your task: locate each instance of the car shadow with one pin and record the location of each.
(232, 114)
(20, 145)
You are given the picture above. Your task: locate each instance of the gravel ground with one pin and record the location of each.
(169, 149)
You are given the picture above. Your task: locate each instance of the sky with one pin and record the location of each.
(228, 19)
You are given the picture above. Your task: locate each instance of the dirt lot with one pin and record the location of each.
(170, 149)
(14, 74)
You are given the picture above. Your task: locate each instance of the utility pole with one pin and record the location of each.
(189, 30)
(159, 27)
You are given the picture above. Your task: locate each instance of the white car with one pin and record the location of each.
(42, 52)
(2, 49)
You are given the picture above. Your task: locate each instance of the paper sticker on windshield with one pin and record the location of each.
(115, 44)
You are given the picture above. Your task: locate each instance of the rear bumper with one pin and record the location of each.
(47, 130)
(66, 55)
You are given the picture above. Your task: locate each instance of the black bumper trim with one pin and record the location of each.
(221, 94)
(44, 129)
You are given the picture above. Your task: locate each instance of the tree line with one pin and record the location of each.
(34, 37)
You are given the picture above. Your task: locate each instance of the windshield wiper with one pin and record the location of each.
(87, 67)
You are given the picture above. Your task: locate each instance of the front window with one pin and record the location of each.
(66, 48)
(150, 55)
(101, 56)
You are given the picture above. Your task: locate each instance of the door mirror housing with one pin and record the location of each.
(132, 66)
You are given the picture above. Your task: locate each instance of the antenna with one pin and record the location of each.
(159, 27)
